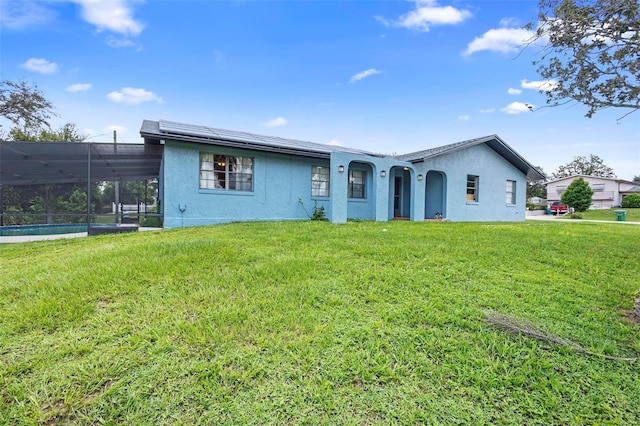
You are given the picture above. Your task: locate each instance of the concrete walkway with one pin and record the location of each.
(549, 217)
(29, 238)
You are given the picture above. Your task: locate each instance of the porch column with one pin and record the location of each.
(383, 167)
(419, 177)
(338, 192)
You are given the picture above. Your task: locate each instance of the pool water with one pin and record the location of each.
(18, 230)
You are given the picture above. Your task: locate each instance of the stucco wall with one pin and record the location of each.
(493, 172)
(278, 182)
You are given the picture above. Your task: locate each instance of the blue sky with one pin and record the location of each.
(384, 76)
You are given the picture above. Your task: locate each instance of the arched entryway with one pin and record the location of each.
(361, 199)
(400, 193)
(435, 195)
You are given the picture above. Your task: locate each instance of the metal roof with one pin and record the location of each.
(27, 163)
(493, 141)
(156, 131)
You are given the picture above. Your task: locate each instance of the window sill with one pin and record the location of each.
(224, 192)
(472, 203)
(357, 200)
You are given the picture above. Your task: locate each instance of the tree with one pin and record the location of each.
(591, 50)
(535, 188)
(636, 178)
(578, 195)
(46, 200)
(67, 133)
(591, 166)
(631, 201)
(24, 105)
(132, 192)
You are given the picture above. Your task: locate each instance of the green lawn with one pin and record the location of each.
(632, 215)
(314, 323)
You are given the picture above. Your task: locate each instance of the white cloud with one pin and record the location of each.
(488, 111)
(364, 74)
(275, 122)
(510, 22)
(514, 91)
(80, 87)
(428, 13)
(517, 108)
(503, 40)
(117, 43)
(111, 15)
(335, 142)
(24, 14)
(41, 66)
(133, 96)
(464, 117)
(542, 86)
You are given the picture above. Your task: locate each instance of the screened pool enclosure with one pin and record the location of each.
(81, 183)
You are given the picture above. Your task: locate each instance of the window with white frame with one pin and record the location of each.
(597, 187)
(357, 181)
(511, 192)
(472, 188)
(320, 179)
(226, 172)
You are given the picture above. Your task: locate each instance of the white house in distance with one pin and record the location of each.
(607, 192)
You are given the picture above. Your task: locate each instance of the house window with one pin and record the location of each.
(561, 188)
(320, 178)
(226, 172)
(511, 192)
(472, 188)
(597, 187)
(357, 180)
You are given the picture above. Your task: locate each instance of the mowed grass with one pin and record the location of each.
(316, 323)
(631, 215)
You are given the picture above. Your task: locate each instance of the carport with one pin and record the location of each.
(32, 163)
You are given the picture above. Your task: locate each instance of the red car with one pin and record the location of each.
(558, 208)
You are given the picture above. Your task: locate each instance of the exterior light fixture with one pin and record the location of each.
(340, 168)
(383, 173)
(419, 177)
(405, 168)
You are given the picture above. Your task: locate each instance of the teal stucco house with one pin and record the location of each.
(211, 175)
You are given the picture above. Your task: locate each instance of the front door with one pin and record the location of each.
(397, 194)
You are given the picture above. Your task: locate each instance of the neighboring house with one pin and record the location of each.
(607, 192)
(213, 176)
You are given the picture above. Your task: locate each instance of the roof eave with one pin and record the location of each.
(151, 137)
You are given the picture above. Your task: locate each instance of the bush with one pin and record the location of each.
(631, 201)
(578, 195)
(318, 211)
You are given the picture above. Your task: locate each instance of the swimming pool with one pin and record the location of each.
(65, 228)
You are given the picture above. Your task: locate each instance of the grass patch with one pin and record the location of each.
(632, 215)
(310, 322)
